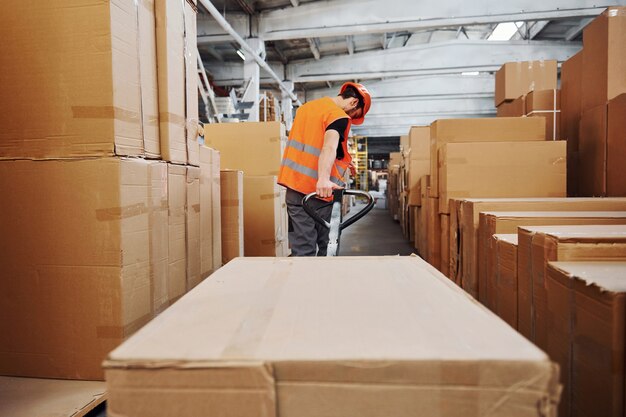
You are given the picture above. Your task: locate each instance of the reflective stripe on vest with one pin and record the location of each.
(299, 146)
(313, 173)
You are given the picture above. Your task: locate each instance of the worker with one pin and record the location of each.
(316, 159)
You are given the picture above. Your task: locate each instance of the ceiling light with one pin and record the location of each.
(241, 55)
(470, 73)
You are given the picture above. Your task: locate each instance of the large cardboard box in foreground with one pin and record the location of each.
(492, 129)
(505, 270)
(469, 210)
(266, 340)
(256, 148)
(514, 79)
(501, 169)
(587, 305)
(78, 273)
(78, 80)
(264, 225)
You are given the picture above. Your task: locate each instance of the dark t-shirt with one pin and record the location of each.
(339, 126)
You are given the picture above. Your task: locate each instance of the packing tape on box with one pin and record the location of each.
(173, 119)
(253, 327)
(105, 112)
(118, 213)
(269, 196)
(230, 202)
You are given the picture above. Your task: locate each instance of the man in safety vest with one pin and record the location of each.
(316, 159)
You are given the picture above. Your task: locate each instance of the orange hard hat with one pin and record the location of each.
(367, 99)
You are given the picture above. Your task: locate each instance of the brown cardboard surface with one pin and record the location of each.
(501, 169)
(77, 269)
(216, 211)
(207, 265)
(253, 147)
(455, 237)
(504, 281)
(514, 108)
(543, 100)
(471, 208)
(177, 239)
(514, 79)
(86, 85)
(191, 85)
(433, 235)
(404, 144)
(604, 62)
(268, 340)
(192, 222)
(423, 226)
(592, 154)
(492, 129)
(417, 169)
(232, 214)
(417, 244)
(445, 244)
(264, 233)
(170, 47)
(553, 123)
(412, 222)
(561, 243)
(508, 222)
(616, 147)
(159, 235)
(571, 92)
(596, 334)
(28, 397)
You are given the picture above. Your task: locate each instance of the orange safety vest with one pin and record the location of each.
(298, 170)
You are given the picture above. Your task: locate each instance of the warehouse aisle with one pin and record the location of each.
(375, 234)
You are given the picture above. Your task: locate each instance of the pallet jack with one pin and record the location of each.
(336, 225)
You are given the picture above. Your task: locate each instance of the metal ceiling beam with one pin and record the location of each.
(247, 6)
(534, 29)
(350, 44)
(575, 31)
(295, 3)
(320, 19)
(209, 31)
(280, 53)
(438, 58)
(314, 48)
(231, 73)
(244, 45)
(213, 52)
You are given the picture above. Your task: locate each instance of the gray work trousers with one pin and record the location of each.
(306, 236)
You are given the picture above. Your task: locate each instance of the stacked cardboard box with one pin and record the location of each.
(586, 310)
(505, 270)
(514, 79)
(268, 107)
(546, 104)
(393, 192)
(343, 348)
(231, 191)
(571, 91)
(115, 240)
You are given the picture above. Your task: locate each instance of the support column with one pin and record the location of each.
(252, 75)
(286, 106)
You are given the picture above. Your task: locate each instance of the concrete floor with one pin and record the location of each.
(376, 234)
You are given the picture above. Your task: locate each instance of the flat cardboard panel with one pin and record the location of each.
(27, 397)
(232, 214)
(191, 85)
(553, 123)
(216, 211)
(418, 161)
(192, 221)
(514, 79)
(508, 222)
(267, 340)
(616, 147)
(571, 93)
(433, 235)
(423, 230)
(501, 169)
(515, 108)
(177, 258)
(78, 69)
(543, 100)
(253, 147)
(500, 129)
(264, 233)
(159, 235)
(504, 280)
(604, 62)
(592, 155)
(207, 265)
(69, 296)
(445, 244)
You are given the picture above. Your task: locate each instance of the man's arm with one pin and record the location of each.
(326, 161)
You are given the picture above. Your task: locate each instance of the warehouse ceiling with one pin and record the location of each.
(420, 60)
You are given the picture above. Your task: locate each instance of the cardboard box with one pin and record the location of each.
(589, 320)
(445, 244)
(469, 221)
(25, 397)
(491, 223)
(207, 206)
(417, 244)
(515, 108)
(539, 245)
(79, 275)
(514, 79)
(193, 230)
(404, 144)
(616, 147)
(571, 93)
(81, 81)
(412, 222)
(170, 46)
(264, 232)
(505, 278)
(433, 234)
(191, 85)
(455, 241)
(592, 152)
(546, 103)
(423, 226)
(216, 211)
(176, 220)
(232, 214)
(339, 351)
(604, 62)
(256, 148)
(418, 161)
(501, 169)
(493, 129)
